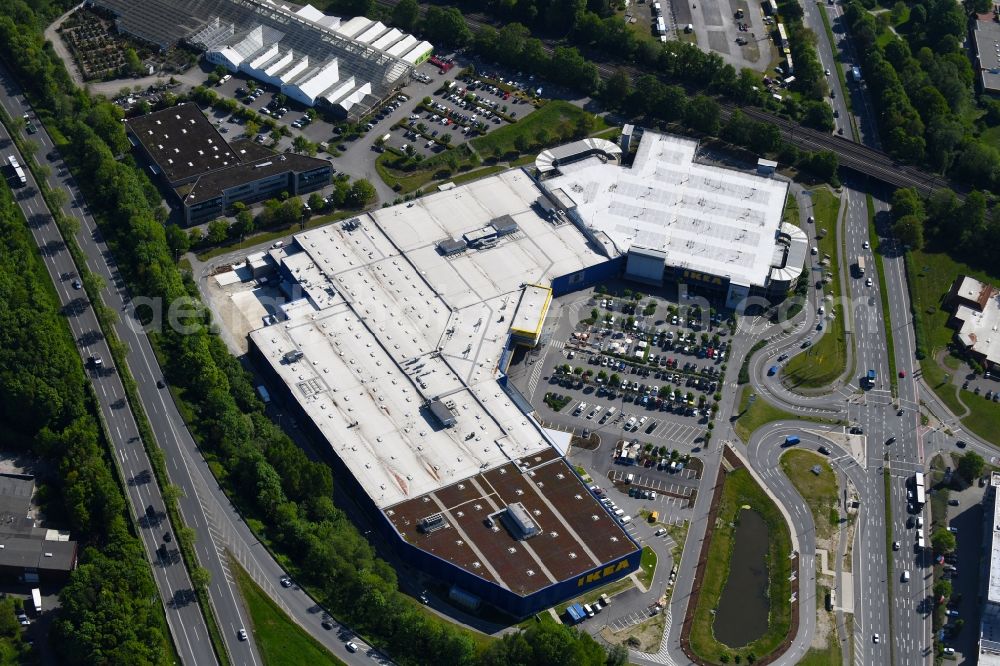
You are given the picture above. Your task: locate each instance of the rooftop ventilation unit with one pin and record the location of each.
(519, 522)
(292, 356)
(442, 413)
(432, 523)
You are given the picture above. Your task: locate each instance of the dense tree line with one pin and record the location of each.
(275, 484)
(922, 85)
(969, 229)
(109, 610)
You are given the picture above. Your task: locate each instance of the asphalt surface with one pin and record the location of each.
(183, 614)
(203, 505)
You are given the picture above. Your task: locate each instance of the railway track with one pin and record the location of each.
(854, 156)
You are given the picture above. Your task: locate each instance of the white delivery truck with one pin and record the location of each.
(36, 599)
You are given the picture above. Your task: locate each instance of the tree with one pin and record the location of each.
(301, 144)
(200, 578)
(906, 201)
(943, 541)
(133, 65)
(617, 88)
(446, 26)
(405, 14)
(244, 224)
(702, 114)
(316, 202)
(178, 241)
(942, 589)
(910, 231)
(361, 194)
(971, 466)
(251, 128)
(217, 231)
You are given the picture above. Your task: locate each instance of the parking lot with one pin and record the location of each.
(966, 521)
(645, 368)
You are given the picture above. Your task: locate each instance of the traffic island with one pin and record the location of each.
(720, 588)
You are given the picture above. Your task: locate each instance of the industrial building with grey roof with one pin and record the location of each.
(347, 65)
(207, 173)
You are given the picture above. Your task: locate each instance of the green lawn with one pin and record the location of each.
(830, 655)
(647, 567)
(740, 490)
(755, 415)
(826, 360)
(274, 234)
(931, 275)
(280, 640)
(791, 213)
(552, 123)
(818, 490)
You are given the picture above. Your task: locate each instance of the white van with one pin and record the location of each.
(906, 576)
(629, 478)
(579, 409)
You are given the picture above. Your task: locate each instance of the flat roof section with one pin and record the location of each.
(372, 413)
(531, 310)
(213, 184)
(987, 37)
(705, 218)
(576, 533)
(981, 330)
(537, 252)
(182, 142)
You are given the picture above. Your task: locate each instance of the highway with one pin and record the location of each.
(183, 614)
(203, 504)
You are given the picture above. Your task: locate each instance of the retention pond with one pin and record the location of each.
(742, 615)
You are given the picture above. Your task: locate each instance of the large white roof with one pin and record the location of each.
(539, 252)
(705, 218)
(387, 324)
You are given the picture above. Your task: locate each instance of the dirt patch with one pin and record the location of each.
(645, 636)
(589, 444)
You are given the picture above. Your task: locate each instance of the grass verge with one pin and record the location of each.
(825, 361)
(739, 490)
(753, 416)
(275, 234)
(876, 243)
(647, 567)
(818, 490)
(281, 641)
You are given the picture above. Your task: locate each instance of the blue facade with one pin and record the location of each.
(588, 277)
(511, 602)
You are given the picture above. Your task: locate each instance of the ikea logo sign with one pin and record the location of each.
(702, 277)
(602, 573)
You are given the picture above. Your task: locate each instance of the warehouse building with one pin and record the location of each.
(986, 37)
(989, 627)
(28, 552)
(400, 352)
(207, 174)
(717, 230)
(976, 319)
(315, 59)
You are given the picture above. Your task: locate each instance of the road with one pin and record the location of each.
(203, 504)
(184, 618)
